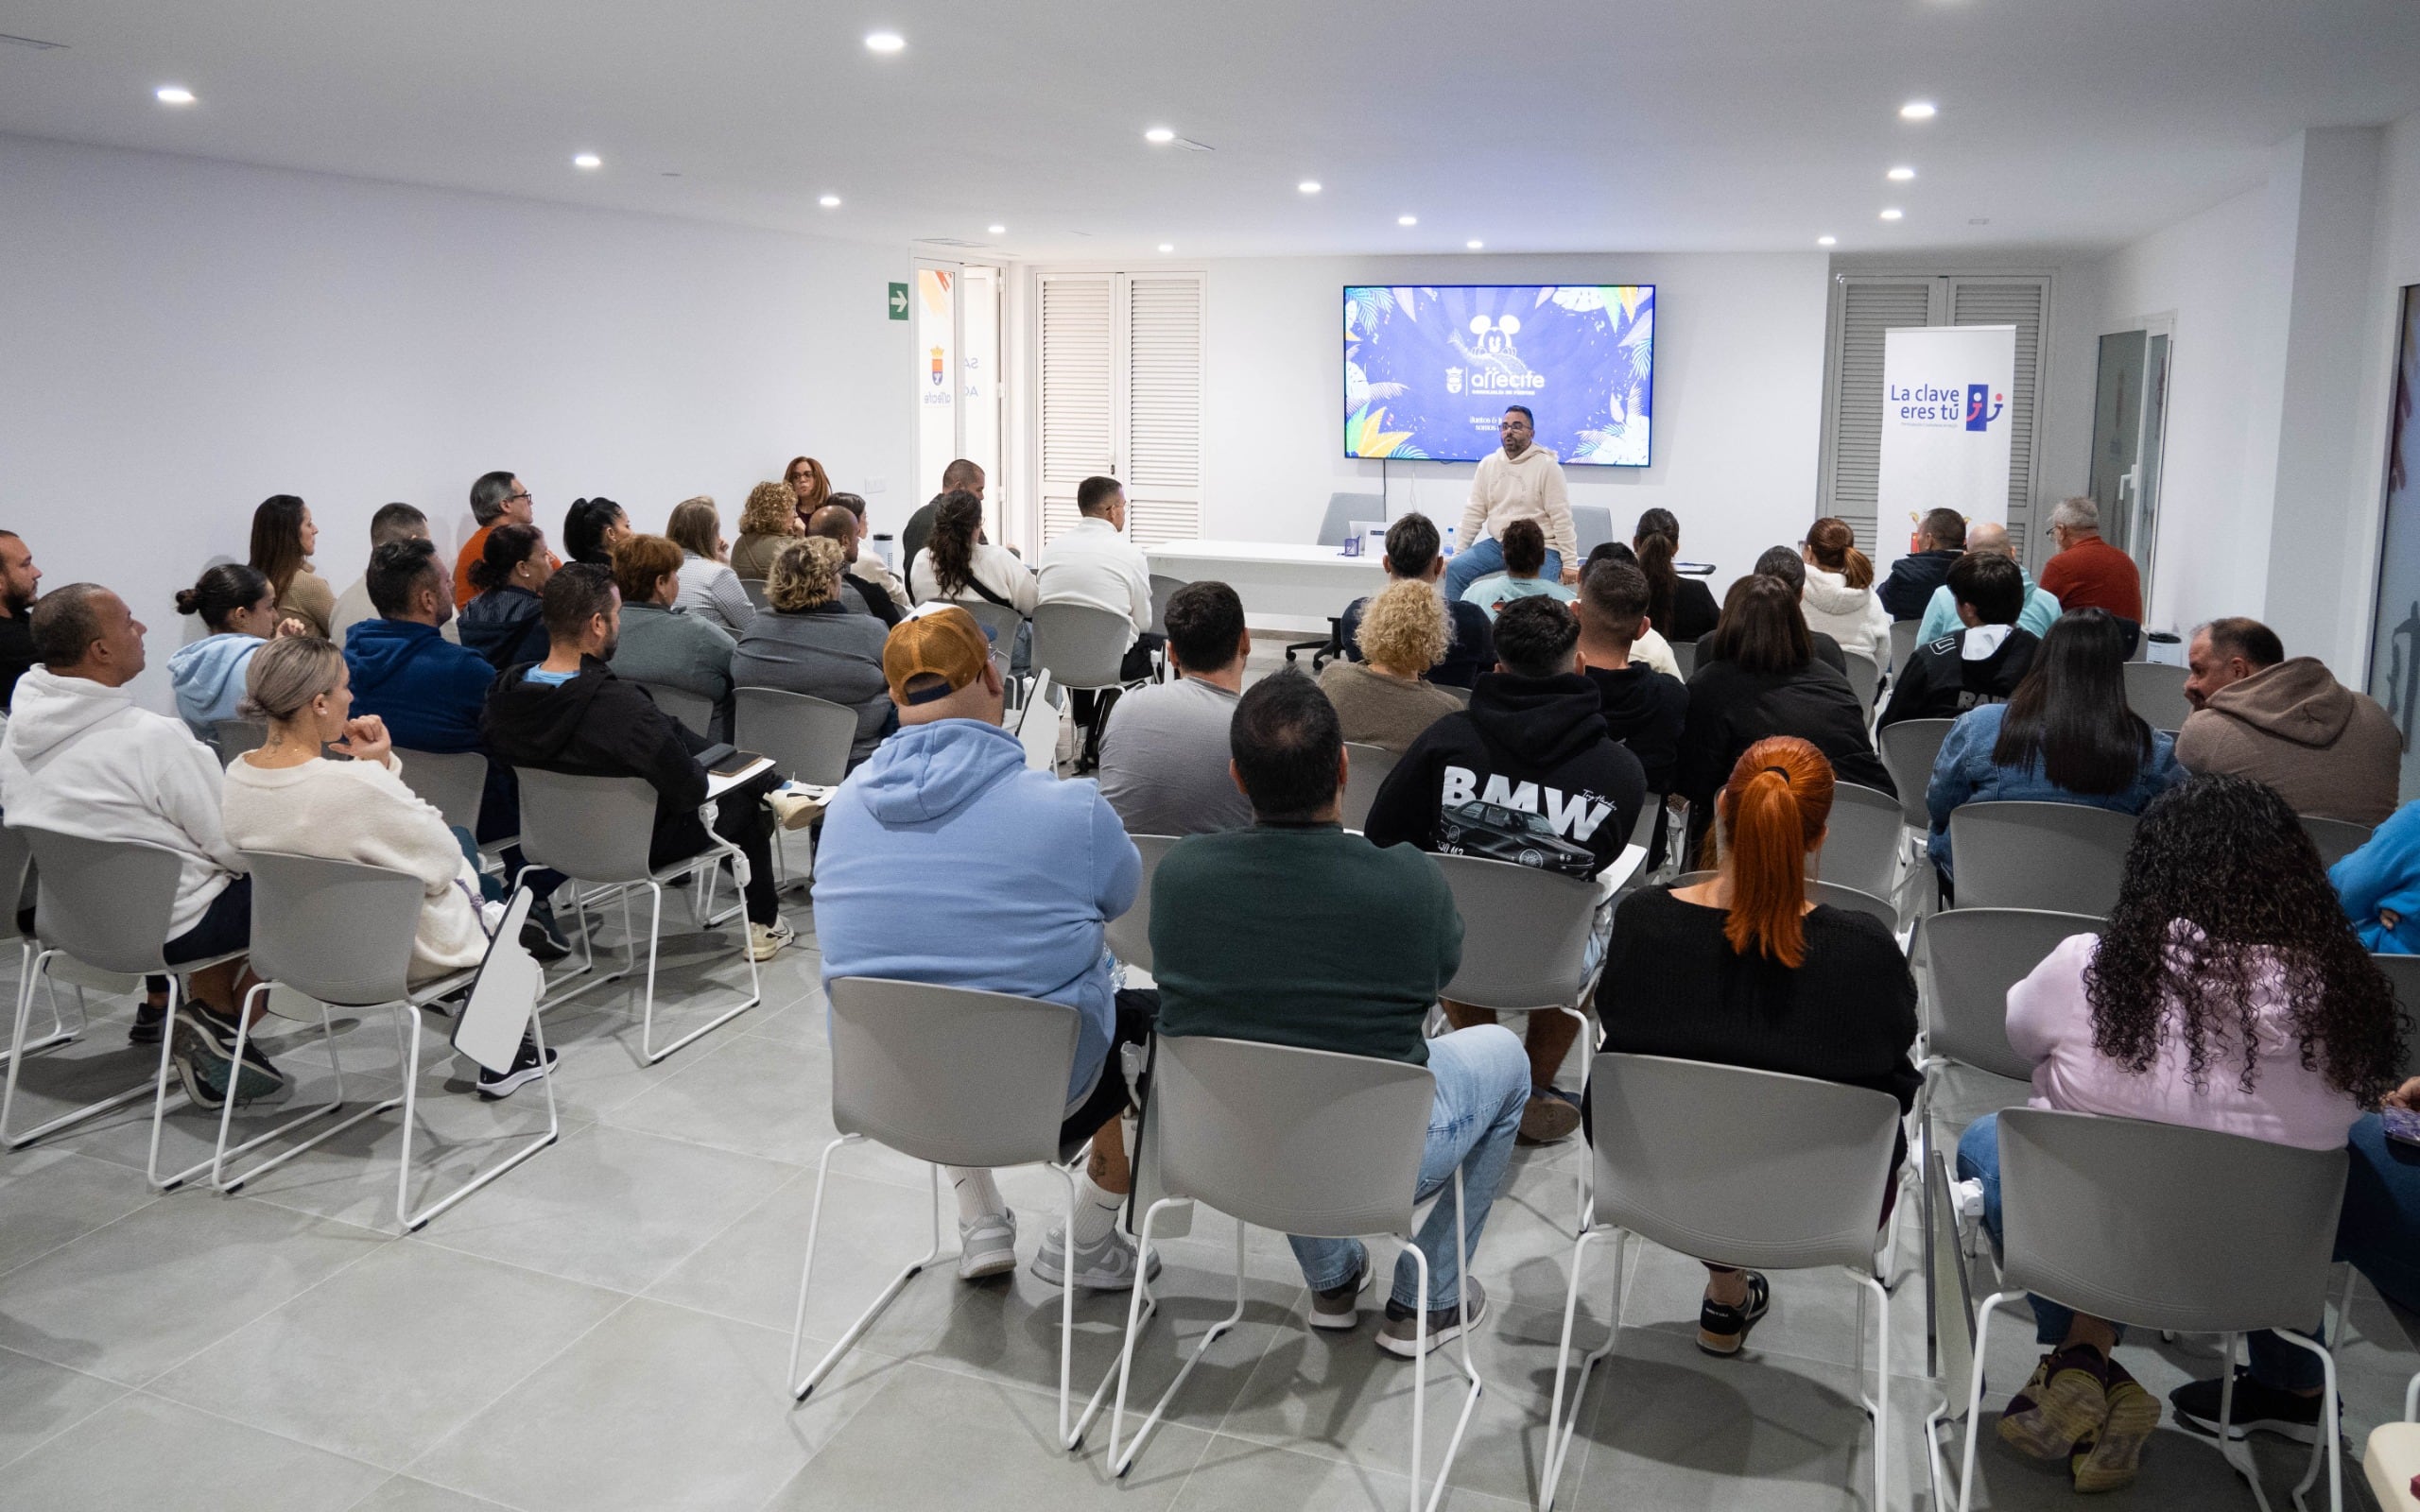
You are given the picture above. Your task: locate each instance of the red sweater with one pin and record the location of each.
(2094, 574)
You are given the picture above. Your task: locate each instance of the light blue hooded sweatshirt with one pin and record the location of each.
(945, 859)
(208, 678)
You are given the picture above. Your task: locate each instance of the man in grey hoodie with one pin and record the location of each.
(2287, 722)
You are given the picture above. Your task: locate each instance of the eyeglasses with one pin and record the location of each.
(523, 494)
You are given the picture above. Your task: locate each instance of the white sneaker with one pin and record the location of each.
(1106, 1266)
(765, 940)
(987, 1246)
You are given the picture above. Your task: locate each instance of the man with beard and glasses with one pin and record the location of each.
(19, 578)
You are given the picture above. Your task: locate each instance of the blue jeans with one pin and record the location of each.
(1484, 555)
(1482, 1084)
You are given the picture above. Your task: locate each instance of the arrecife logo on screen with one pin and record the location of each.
(1974, 408)
(1495, 365)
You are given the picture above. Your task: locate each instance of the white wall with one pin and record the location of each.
(184, 338)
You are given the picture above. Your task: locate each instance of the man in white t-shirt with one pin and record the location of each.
(1164, 751)
(1095, 564)
(1519, 481)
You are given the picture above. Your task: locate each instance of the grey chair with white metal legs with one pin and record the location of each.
(1908, 748)
(1305, 1142)
(2176, 1228)
(693, 709)
(2156, 692)
(1130, 932)
(2024, 854)
(105, 903)
(340, 935)
(16, 865)
(2335, 838)
(807, 737)
(1750, 1168)
(597, 829)
(950, 1077)
(1365, 771)
(1861, 849)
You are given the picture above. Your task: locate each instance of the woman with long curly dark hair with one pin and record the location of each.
(2227, 992)
(958, 566)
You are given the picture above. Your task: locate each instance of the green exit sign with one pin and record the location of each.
(898, 301)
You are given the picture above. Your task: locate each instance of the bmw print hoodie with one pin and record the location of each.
(1528, 774)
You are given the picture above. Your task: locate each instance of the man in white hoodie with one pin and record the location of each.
(1521, 481)
(79, 758)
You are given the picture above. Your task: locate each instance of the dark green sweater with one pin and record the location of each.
(1303, 934)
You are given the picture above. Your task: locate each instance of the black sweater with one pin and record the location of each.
(596, 725)
(1939, 683)
(507, 626)
(1527, 774)
(1731, 710)
(1913, 578)
(1672, 986)
(1694, 612)
(1645, 710)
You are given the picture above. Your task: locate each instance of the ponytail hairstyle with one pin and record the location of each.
(226, 590)
(1771, 814)
(958, 519)
(1657, 542)
(277, 540)
(507, 547)
(1835, 549)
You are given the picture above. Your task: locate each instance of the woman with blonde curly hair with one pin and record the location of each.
(1382, 699)
(768, 523)
(810, 641)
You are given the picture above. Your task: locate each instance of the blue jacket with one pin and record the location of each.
(505, 626)
(945, 860)
(1964, 773)
(1941, 612)
(208, 678)
(2383, 876)
(429, 689)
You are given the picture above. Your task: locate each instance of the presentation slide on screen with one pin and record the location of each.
(1429, 371)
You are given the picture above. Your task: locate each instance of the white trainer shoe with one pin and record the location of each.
(987, 1246)
(1106, 1266)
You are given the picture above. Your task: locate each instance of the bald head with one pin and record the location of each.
(835, 523)
(1988, 536)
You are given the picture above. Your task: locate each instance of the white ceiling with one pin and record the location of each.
(1558, 125)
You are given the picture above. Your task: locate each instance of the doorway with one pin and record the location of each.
(2129, 423)
(957, 379)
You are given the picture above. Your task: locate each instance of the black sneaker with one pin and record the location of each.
(1339, 1306)
(542, 937)
(2257, 1409)
(202, 1050)
(1724, 1330)
(1399, 1333)
(525, 1069)
(150, 1021)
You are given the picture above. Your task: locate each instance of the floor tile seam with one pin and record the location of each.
(853, 1414)
(367, 1252)
(410, 1467)
(10, 1270)
(437, 1242)
(123, 1390)
(398, 1475)
(384, 1472)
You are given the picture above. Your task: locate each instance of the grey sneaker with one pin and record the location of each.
(1339, 1306)
(987, 1246)
(1106, 1266)
(201, 1049)
(1399, 1334)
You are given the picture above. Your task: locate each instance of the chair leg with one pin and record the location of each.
(1880, 1405)
(2326, 1449)
(19, 1049)
(1469, 1369)
(2237, 1453)
(1559, 1429)
(1067, 1439)
(58, 1033)
(1123, 1462)
(413, 1222)
(222, 1153)
(807, 1275)
(1974, 1396)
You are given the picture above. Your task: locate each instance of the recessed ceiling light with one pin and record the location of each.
(1168, 247)
(173, 95)
(1406, 221)
(1827, 241)
(1893, 213)
(830, 202)
(885, 42)
(1159, 136)
(1473, 246)
(587, 160)
(995, 230)
(1900, 174)
(1308, 186)
(1918, 110)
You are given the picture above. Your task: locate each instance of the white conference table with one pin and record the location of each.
(1283, 586)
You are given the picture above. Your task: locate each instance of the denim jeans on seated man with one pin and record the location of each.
(1483, 556)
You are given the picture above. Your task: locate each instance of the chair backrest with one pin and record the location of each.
(1591, 525)
(807, 737)
(2066, 856)
(2156, 691)
(1002, 620)
(106, 903)
(1740, 1167)
(1908, 748)
(1461, 696)
(338, 932)
(2166, 1227)
(1343, 509)
(1685, 657)
(1903, 643)
(755, 589)
(593, 828)
(1525, 934)
(1365, 768)
(1305, 1142)
(452, 783)
(2403, 974)
(1974, 955)
(950, 1074)
(1129, 933)
(2336, 838)
(1162, 589)
(1864, 676)
(232, 737)
(1866, 837)
(1081, 645)
(693, 709)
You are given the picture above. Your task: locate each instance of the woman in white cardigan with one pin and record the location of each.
(958, 566)
(1839, 599)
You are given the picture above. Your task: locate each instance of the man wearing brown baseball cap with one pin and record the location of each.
(947, 860)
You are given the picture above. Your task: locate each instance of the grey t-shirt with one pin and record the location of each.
(1164, 760)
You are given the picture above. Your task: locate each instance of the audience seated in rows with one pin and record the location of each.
(2327, 749)
(1527, 774)
(1519, 480)
(709, 588)
(866, 567)
(1644, 708)
(1741, 970)
(1523, 550)
(947, 860)
(2379, 886)
(839, 524)
(2088, 571)
(1788, 568)
(1093, 563)
(82, 758)
(961, 476)
(1164, 754)
(591, 528)
(1839, 598)
(1941, 610)
(206, 677)
(393, 521)
(1939, 539)
(767, 521)
(1414, 555)
(2226, 992)
(1683, 608)
(288, 796)
(1647, 648)
(661, 644)
(2066, 735)
(1383, 696)
(283, 541)
(497, 498)
(807, 641)
(1981, 663)
(503, 623)
(570, 714)
(1349, 947)
(20, 582)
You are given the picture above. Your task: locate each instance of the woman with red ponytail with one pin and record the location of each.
(1741, 970)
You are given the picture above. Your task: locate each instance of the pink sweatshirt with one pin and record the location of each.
(2049, 1022)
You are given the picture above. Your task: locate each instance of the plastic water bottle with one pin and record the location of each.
(1449, 539)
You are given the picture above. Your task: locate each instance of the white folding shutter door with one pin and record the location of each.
(1076, 414)
(2020, 302)
(1163, 447)
(1866, 307)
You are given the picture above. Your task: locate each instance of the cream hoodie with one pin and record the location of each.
(1503, 490)
(1853, 616)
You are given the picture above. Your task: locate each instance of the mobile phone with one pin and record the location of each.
(2403, 1124)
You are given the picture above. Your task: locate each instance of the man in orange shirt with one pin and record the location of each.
(2088, 571)
(496, 499)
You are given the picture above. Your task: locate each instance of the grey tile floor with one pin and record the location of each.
(607, 1328)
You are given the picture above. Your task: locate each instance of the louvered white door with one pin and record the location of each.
(2020, 302)
(1121, 396)
(1076, 415)
(1863, 309)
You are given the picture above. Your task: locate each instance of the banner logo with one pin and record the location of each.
(1982, 406)
(1495, 365)
(937, 366)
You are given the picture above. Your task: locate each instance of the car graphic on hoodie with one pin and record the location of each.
(1499, 834)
